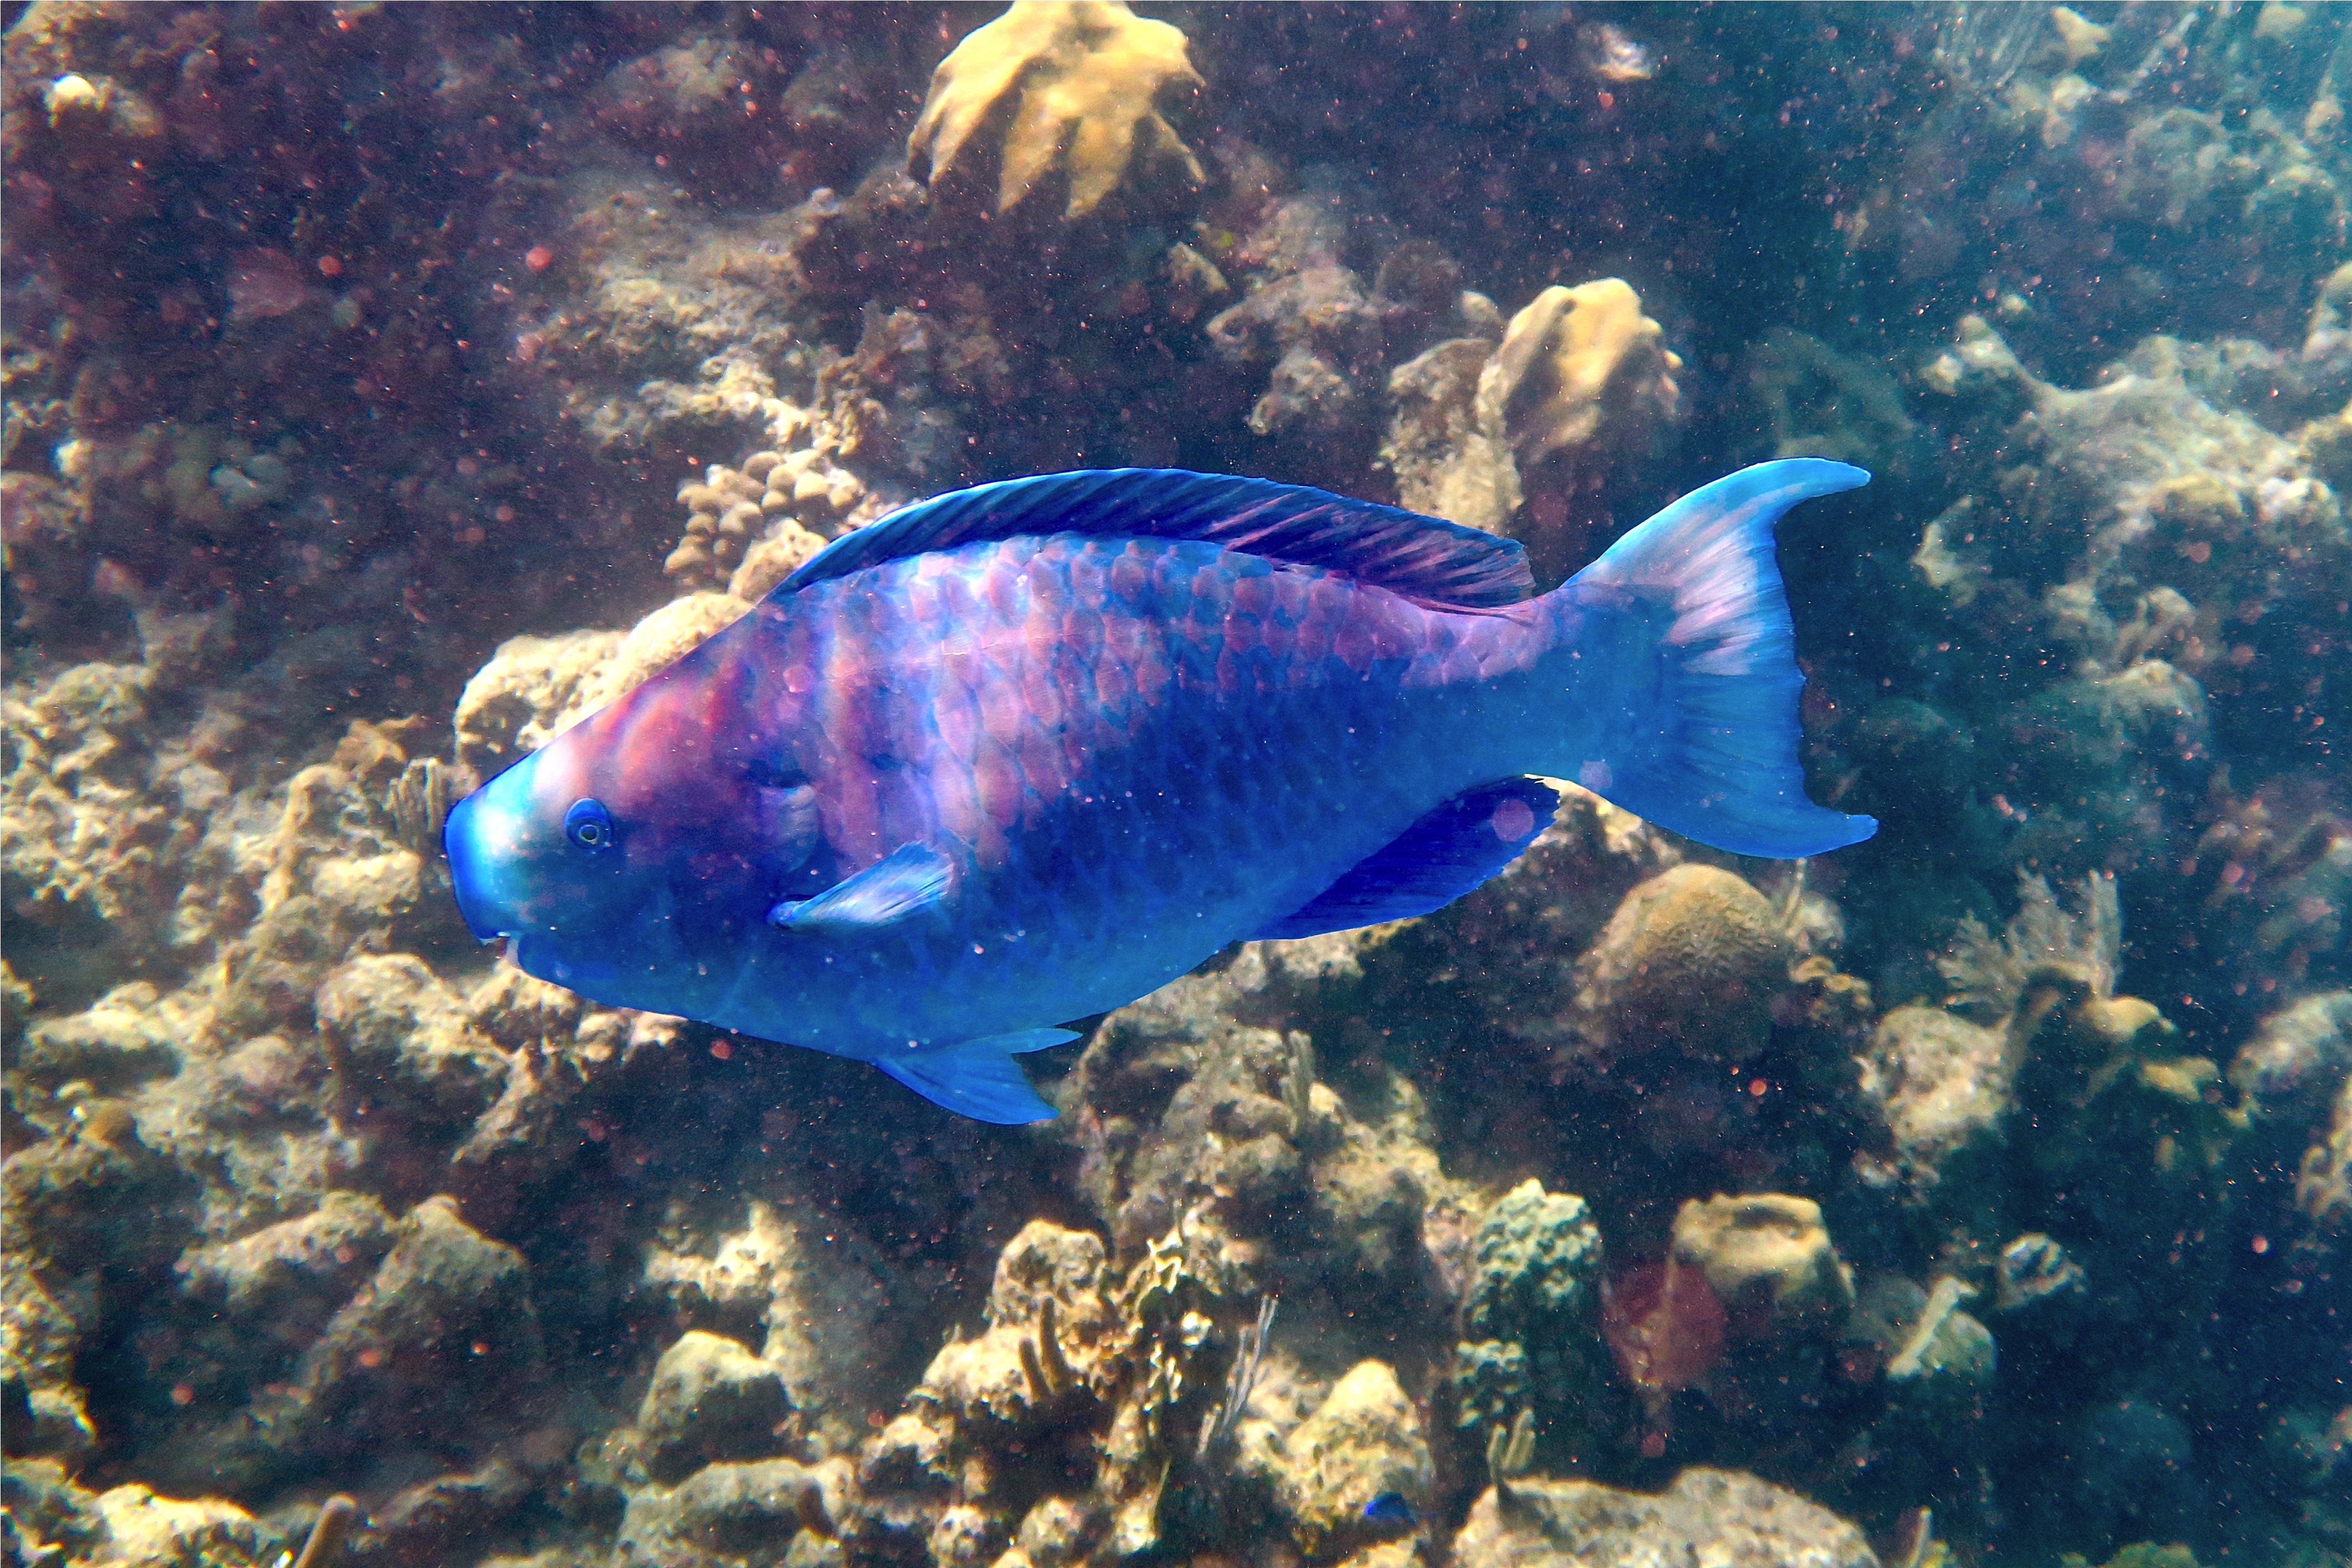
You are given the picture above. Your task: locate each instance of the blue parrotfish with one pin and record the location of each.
(1021, 754)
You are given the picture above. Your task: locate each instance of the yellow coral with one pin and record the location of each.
(1089, 74)
(1573, 358)
(2080, 36)
(1764, 1248)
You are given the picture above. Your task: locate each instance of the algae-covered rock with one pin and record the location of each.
(710, 1399)
(1364, 1439)
(1706, 1516)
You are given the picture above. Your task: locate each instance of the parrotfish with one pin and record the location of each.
(1021, 754)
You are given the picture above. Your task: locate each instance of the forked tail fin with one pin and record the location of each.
(1686, 651)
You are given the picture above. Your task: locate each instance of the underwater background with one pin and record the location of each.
(387, 386)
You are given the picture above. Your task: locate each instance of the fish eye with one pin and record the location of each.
(589, 825)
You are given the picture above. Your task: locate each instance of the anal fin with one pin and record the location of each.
(1436, 861)
(979, 1078)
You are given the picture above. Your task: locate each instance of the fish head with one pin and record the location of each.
(632, 857)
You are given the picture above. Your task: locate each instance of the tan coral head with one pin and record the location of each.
(1766, 1251)
(1573, 361)
(1085, 79)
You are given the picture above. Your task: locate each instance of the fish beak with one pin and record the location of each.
(470, 873)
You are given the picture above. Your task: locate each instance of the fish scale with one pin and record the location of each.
(1021, 754)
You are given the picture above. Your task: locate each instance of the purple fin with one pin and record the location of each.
(1433, 862)
(1423, 558)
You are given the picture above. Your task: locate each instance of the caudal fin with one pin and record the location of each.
(1683, 639)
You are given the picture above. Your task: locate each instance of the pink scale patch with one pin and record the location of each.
(1128, 576)
(1040, 693)
(997, 782)
(1000, 709)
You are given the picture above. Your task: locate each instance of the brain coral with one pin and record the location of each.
(1089, 74)
(1692, 955)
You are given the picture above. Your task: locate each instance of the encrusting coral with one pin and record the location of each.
(1091, 77)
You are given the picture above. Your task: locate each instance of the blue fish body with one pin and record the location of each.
(1022, 753)
(1391, 1508)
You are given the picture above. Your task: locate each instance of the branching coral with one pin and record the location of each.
(1090, 76)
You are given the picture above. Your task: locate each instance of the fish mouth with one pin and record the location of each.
(469, 874)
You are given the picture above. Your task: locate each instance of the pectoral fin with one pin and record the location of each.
(979, 1078)
(905, 882)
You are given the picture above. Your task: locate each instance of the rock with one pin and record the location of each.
(816, 1301)
(46, 1518)
(1365, 1438)
(280, 1285)
(401, 1041)
(1446, 465)
(113, 1045)
(1941, 1085)
(144, 1531)
(732, 1514)
(1053, 1532)
(511, 705)
(1706, 1516)
(432, 1522)
(2295, 1054)
(990, 1377)
(710, 1399)
(434, 1350)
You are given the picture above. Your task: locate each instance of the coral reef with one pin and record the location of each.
(383, 389)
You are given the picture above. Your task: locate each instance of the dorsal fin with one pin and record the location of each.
(1424, 558)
